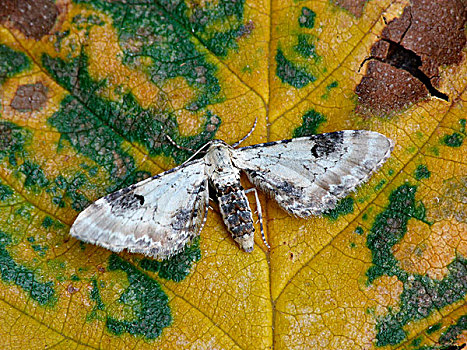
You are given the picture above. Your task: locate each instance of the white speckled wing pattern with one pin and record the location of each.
(156, 216)
(308, 175)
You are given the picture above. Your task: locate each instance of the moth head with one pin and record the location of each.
(246, 242)
(218, 144)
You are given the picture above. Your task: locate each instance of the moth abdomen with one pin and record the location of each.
(237, 216)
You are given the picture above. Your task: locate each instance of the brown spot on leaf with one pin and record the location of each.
(120, 164)
(434, 30)
(404, 64)
(29, 97)
(385, 88)
(6, 136)
(451, 204)
(246, 29)
(213, 123)
(34, 18)
(71, 289)
(355, 7)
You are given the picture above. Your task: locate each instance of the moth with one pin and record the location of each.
(306, 176)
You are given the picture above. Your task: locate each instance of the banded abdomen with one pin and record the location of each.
(236, 212)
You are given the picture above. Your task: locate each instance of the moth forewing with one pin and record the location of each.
(307, 176)
(156, 216)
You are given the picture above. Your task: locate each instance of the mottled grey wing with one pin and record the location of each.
(156, 216)
(308, 175)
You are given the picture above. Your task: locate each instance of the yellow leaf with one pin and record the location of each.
(89, 91)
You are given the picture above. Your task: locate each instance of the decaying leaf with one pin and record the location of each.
(91, 88)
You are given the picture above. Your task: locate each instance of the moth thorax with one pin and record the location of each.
(220, 169)
(236, 212)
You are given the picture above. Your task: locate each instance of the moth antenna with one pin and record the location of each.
(178, 146)
(198, 151)
(247, 135)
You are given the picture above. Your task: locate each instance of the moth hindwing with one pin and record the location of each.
(305, 176)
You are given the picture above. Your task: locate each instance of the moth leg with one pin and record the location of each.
(207, 206)
(260, 215)
(211, 200)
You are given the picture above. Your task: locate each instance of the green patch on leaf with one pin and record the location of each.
(69, 188)
(98, 308)
(311, 122)
(35, 176)
(305, 46)
(11, 62)
(291, 74)
(74, 278)
(329, 87)
(389, 331)
(416, 342)
(421, 294)
(12, 140)
(222, 42)
(453, 332)
(419, 135)
(456, 139)
(47, 222)
(59, 188)
(389, 228)
(359, 230)
(147, 300)
(422, 172)
(87, 22)
(96, 296)
(420, 297)
(40, 249)
(92, 170)
(98, 128)
(24, 211)
(5, 192)
(12, 272)
(141, 26)
(177, 267)
(380, 185)
(333, 85)
(453, 140)
(57, 268)
(463, 123)
(343, 207)
(247, 69)
(307, 18)
(436, 327)
(434, 150)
